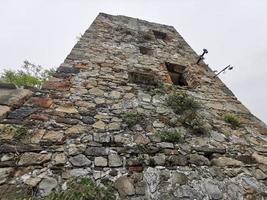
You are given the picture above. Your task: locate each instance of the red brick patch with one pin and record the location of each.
(41, 102)
(135, 169)
(39, 117)
(58, 84)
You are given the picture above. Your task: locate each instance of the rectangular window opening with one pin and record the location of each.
(160, 35)
(145, 50)
(142, 78)
(177, 73)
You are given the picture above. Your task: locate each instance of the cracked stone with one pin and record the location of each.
(114, 126)
(213, 191)
(115, 95)
(99, 125)
(124, 186)
(53, 136)
(100, 162)
(4, 174)
(3, 111)
(102, 137)
(67, 109)
(97, 92)
(114, 160)
(22, 112)
(41, 102)
(141, 139)
(179, 178)
(198, 159)
(28, 159)
(46, 186)
(59, 159)
(225, 161)
(76, 130)
(97, 151)
(80, 161)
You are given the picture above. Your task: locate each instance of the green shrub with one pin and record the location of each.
(196, 122)
(29, 75)
(233, 120)
(181, 102)
(83, 189)
(171, 135)
(133, 118)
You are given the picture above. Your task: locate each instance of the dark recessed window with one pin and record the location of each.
(145, 51)
(142, 78)
(177, 73)
(160, 35)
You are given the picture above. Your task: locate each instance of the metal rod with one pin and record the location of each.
(229, 66)
(202, 55)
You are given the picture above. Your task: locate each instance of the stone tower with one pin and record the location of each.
(130, 107)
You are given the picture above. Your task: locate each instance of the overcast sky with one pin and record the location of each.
(233, 31)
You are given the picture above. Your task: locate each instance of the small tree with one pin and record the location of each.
(29, 75)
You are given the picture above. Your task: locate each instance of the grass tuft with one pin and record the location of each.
(233, 120)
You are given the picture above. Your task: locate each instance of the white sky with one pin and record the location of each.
(233, 31)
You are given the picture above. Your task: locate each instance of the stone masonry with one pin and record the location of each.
(75, 126)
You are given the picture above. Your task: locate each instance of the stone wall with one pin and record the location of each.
(102, 113)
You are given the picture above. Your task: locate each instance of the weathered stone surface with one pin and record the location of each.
(27, 159)
(213, 190)
(198, 159)
(115, 95)
(88, 120)
(176, 160)
(96, 92)
(114, 160)
(99, 125)
(3, 111)
(114, 126)
(4, 174)
(80, 161)
(141, 139)
(53, 136)
(259, 158)
(179, 178)
(20, 148)
(159, 159)
(67, 109)
(59, 159)
(32, 181)
(166, 145)
(46, 186)
(102, 137)
(13, 97)
(69, 121)
(22, 112)
(67, 70)
(124, 186)
(225, 161)
(100, 162)
(95, 151)
(76, 130)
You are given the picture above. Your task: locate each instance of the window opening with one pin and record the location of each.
(177, 73)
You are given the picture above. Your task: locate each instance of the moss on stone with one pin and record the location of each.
(181, 101)
(133, 118)
(8, 131)
(171, 135)
(83, 189)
